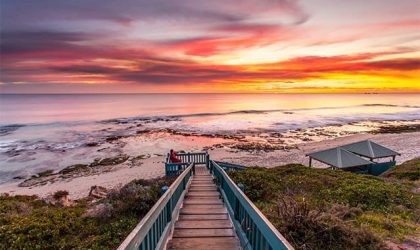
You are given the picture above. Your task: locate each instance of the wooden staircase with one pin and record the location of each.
(203, 221)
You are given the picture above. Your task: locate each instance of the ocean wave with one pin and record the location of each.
(389, 105)
(251, 111)
(10, 128)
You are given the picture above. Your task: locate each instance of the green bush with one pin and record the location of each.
(323, 186)
(409, 170)
(308, 228)
(390, 201)
(27, 222)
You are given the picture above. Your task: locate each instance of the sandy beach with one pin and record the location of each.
(408, 144)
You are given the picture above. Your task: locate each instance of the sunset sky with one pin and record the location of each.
(279, 46)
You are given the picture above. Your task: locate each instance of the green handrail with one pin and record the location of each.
(255, 231)
(153, 230)
(230, 166)
(174, 169)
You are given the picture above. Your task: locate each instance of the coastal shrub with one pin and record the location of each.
(307, 228)
(27, 222)
(409, 170)
(335, 208)
(324, 186)
(259, 187)
(60, 193)
(135, 198)
(386, 226)
(19, 204)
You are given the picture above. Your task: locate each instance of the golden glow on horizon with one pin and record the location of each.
(219, 46)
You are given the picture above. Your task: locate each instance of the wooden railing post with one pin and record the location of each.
(236, 209)
(169, 211)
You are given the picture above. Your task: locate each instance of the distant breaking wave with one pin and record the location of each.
(9, 128)
(251, 111)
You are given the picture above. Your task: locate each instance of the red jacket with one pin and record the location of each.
(174, 158)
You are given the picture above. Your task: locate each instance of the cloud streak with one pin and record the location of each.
(230, 44)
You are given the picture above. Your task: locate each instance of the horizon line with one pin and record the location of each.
(229, 93)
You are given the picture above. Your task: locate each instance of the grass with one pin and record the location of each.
(312, 208)
(324, 209)
(409, 170)
(27, 222)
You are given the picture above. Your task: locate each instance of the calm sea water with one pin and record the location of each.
(43, 132)
(52, 108)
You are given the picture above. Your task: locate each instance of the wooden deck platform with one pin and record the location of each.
(203, 221)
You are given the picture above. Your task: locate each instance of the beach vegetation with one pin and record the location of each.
(28, 222)
(60, 194)
(409, 170)
(325, 209)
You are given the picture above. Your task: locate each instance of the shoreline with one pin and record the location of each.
(153, 166)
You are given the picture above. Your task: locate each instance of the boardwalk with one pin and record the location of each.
(203, 221)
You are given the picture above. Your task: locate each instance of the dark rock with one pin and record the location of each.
(109, 161)
(91, 144)
(113, 138)
(98, 192)
(390, 129)
(73, 169)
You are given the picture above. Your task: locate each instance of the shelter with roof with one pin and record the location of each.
(356, 157)
(370, 150)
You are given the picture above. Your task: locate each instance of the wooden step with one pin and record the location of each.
(203, 217)
(203, 221)
(191, 224)
(207, 232)
(203, 197)
(212, 201)
(202, 206)
(200, 198)
(194, 210)
(214, 243)
(203, 185)
(214, 188)
(203, 193)
(209, 192)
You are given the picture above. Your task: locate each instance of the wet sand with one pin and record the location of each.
(151, 166)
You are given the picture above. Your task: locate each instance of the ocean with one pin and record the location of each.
(45, 109)
(36, 129)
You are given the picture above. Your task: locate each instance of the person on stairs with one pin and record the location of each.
(174, 159)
